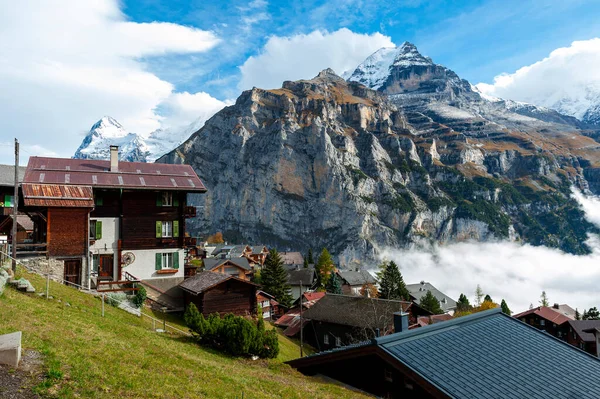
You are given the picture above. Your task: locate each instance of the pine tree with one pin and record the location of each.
(577, 315)
(487, 299)
(324, 268)
(305, 263)
(585, 315)
(275, 279)
(591, 314)
(430, 303)
(334, 285)
(391, 283)
(478, 295)
(463, 303)
(505, 308)
(310, 257)
(544, 299)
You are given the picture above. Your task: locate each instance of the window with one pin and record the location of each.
(265, 304)
(95, 262)
(167, 229)
(338, 341)
(166, 199)
(95, 229)
(98, 200)
(167, 260)
(231, 270)
(387, 375)
(326, 339)
(542, 322)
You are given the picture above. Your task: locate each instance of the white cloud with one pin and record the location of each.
(182, 108)
(303, 56)
(510, 271)
(566, 80)
(66, 63)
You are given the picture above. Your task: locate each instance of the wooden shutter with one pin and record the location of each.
(159, 199)
(99, 200)
(175, 199)
(158, 229)
(158, 262)
(175, 228)
(175, 260)
(8, 201)
(98, 229)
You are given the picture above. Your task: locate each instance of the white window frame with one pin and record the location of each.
(167, 260)
(326, 339)
(338, 341)
(167, 198)
(265, 304)
(167, 228)
(92, 231)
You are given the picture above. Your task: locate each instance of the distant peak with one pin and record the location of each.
(106, 121)
(328, 73)
(408, 54)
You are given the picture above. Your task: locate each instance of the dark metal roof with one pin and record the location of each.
(211, 263)
(356, 311)
(305, 276)
(420, 289)
(580, 326)
(96, 173)
(486, 355)
(358, 277)
(7, 175)
(205, 280)
(58, 195)
(292, 258)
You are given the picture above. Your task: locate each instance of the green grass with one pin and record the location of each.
(90, 356)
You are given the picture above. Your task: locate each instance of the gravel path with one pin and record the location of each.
(18, 384)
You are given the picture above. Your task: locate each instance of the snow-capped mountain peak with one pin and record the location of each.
(108, 127)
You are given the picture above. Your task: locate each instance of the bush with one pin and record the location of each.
(116, 298)
(232, 334)
(140, 297)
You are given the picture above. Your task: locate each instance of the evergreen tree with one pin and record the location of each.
(310, 257)
(585, 315)
(487, 299)
(430, 303)
(275, 279)
(305, 263)
(324, 268)
(544, 299)
(505, 308)
(463, 303)
(391, 283)
(591, 314)
(334, 285)
(577, 315)
(478, 295)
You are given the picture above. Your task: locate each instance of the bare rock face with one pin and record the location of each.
(331, 163)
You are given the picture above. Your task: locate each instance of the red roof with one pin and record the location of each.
(546, 313)
(287, 318)
(59, 195)
(313, 296)
(96, 173)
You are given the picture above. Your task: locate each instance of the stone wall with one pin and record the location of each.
(41, 265)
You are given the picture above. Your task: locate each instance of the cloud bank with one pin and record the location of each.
(303, 56)
(510, 271)
(566, 80)
(66, 63)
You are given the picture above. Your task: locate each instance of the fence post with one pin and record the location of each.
(103, 305)
(47, 285)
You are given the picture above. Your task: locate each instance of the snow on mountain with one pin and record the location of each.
(132, 147)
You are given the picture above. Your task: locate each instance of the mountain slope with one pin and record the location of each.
(326, 162)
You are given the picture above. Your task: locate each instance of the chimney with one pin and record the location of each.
(556, 306)
(114, 158)
(400, 322)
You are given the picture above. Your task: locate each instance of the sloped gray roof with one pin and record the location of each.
(420, 289)
(212, 263)
(306, 276)
(484, 355)
(359, 277)
(580, 325)
(7, 175)
(202, 281)
(356, 311)
(292, 258)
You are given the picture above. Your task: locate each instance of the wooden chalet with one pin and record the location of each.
(238, 267)
(269, 306)
(353, 281)
(220, 293)
(110, 222)
(546, 318)
(7, 187)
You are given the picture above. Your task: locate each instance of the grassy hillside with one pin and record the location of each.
(88, 356)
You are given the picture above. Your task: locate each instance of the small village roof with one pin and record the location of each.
(483, 355)
(356, 277)
(58, 195)
(420, 289)
(547, 313)
(205, 280)
(96, 173)
(584, 328)
(305, 276)
(7, 175)
(292, 258)
(356, 311)
(213, 263)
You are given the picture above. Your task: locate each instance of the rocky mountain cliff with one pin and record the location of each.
(329, 162)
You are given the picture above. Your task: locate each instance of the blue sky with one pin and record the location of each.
(478, 39)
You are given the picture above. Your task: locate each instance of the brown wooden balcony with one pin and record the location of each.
(189, 212)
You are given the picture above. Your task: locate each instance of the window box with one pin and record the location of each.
(166, 271)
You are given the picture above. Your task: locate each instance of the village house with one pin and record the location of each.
(7, 187)
(291, 321)
(107, 223)
(354, 280)
(581, 333)
(256, 255)
(301, 280)
(419, 290)
(511, 359)
(269, 306)
(220, 293)
(292, 259)
(238, 267)
(340, 320)
(549, 319)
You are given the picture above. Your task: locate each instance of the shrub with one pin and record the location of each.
(140, 297)
(232, 334)
(116, 298)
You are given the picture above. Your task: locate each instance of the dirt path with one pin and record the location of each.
(18, 384)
